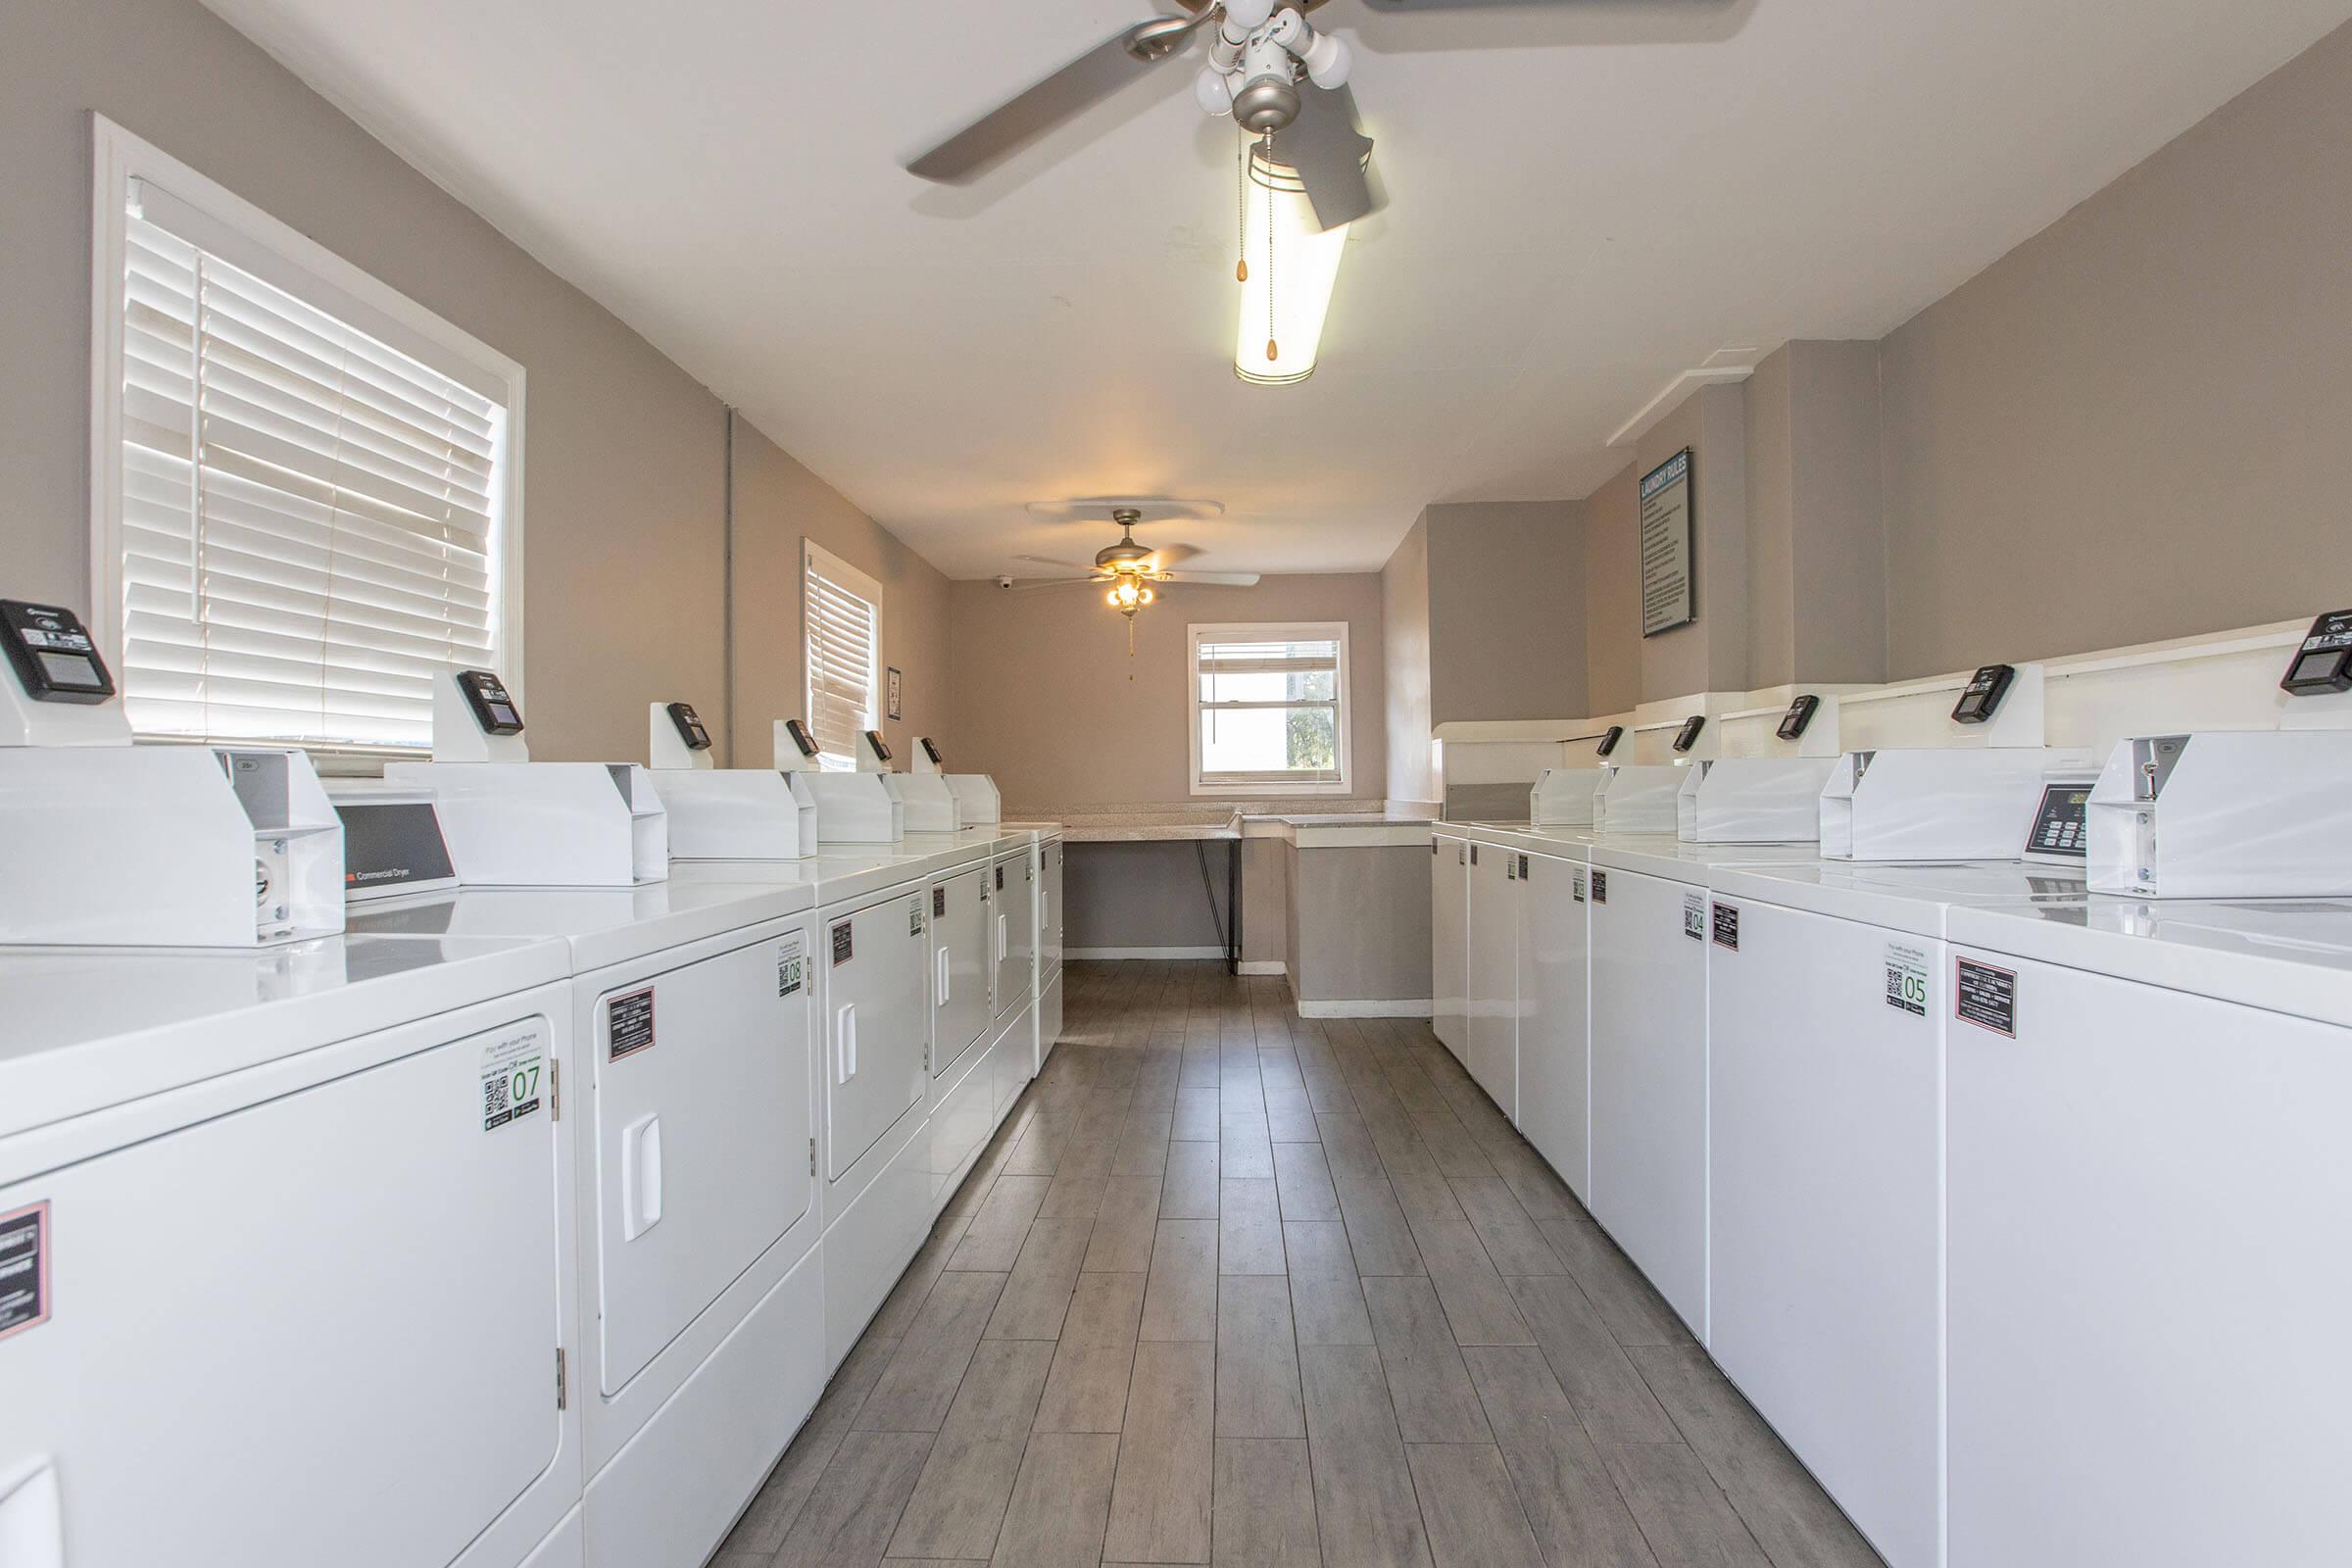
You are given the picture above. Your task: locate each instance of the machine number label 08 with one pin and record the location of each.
(1694, 917)
(1985, 994)
(1726, 926)
(24, 1269)
(628, 1024)
(1907, 978)
(513, 1078)
(792, 965)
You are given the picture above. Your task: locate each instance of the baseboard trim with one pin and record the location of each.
(1408, 1007)
(1264, 966)
(1143, 953)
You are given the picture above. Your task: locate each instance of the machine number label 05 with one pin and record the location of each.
(513, 1078)
(1726, 926)
(1694, 917)
(791, 965)
(24, 1269)
(1600, 887)
(1907, 978)
(1985, 994)
(842, 949)
(628, 1024)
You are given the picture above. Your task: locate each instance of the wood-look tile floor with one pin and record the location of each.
(1232, 1287)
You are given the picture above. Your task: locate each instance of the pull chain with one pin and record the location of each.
(1241, 212)
(1272, 352)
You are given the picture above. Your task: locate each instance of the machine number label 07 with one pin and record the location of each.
(792, 965)
(24, 1269)
(1907, 978)
(1726, 926)
(842, 949)
(1985, 994)
(628, 1024)
(1694, 917)
(513, 1078)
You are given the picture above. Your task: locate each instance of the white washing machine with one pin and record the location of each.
(1492, 972)
(1648, 914)
(287, 1258)
(1826, 1173)
(2148, 1194)
(1552, 1007)
(1449, 925)
(692, 1065)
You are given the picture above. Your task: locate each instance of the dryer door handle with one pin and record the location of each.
(640, 1177)
(945, 969)
(845, 1037)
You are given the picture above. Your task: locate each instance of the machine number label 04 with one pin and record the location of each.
(791, 965)
(24, 1269)
(842, 949)
(628, 1024)
(1726, 926)
(1600, 887)
(513, 1078)
(1694, 917)
(1985, 994)
(1907, 978)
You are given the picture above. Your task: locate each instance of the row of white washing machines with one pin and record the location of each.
(516, 1210)
(2017, 1207)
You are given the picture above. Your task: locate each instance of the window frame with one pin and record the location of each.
(1342, 704)
(119, 157)
(865, 585)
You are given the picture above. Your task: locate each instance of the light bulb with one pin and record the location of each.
(1148, 596)
(1249, 14)
(1212, 91)
(1327, 61)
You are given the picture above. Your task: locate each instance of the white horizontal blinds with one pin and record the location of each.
(1269, 708)
(844, 619)
(310, 515)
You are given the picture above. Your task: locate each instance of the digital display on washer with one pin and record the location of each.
(1983, 694)
(1687, 736)
(493, 710)
(52, 654)
(1609, 740)
(2323, 664)
(2061, 823)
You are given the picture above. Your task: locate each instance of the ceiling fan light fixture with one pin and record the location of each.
(1284, 304)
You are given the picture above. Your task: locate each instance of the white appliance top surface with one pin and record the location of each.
(1664, 854)
(1569, 843)
(92, 1027)
(601, 925)
(2285, 954)
(1906, 896)
(843, 872)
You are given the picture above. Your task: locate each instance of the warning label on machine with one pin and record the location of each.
(24, 1269)
(1726, 926)
(1600, 887)
(1985, 994)
(513, 1067)
(841, 942)
(628, 1024)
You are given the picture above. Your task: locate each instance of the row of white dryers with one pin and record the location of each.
(2012, 1207)
(513, 1225)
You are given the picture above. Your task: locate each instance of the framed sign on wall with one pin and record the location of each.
(892, 704)
(1669, 518)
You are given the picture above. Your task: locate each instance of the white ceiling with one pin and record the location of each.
(1574, 218)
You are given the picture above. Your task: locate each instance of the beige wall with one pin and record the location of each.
(777, 504)
(2138, 423)
(1507, 579)
(1048, 701)
(1404, 647)
(1613, 593)
(1816, 561)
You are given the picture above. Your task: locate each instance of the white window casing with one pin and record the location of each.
(306, 488)
(841, 621)
(1269, 708)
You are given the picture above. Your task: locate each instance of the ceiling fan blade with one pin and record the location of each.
(1048, 561)
(1328, 150)
(1408, 25)
(1033, 585)
(1214, 579)
(1067, 93)
(1166, 556)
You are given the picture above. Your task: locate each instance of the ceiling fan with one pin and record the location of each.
(1130, 569)
(1279, 76)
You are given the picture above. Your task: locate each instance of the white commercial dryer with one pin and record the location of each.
(691, 1064)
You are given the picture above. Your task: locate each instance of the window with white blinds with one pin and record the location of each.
(314, 498)
(1270, 708)
(841, 610)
